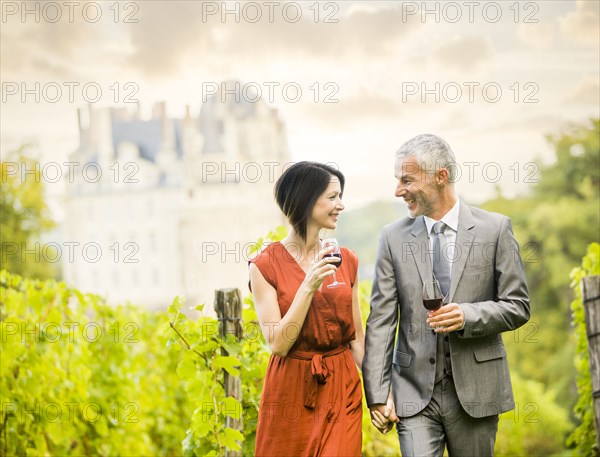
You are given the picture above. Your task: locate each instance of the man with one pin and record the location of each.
(442, 375)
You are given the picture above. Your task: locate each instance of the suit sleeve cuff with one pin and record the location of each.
(461, 330)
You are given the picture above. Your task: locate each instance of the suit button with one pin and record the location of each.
(445, 338)
(431, 360)
(447, 354)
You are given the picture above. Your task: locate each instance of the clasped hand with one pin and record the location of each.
(383, 416)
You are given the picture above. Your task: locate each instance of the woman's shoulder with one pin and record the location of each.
(348, 251)
(265, 260)
(267, 253)
(350, 255)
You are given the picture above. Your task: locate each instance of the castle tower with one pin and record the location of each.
(180, 202)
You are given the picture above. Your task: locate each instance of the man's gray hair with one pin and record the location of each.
(431, 152)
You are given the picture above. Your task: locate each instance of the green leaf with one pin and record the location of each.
(231, 438)
(188, 445)
(203, 420)
(175, 306)
(231, 345)
(228, 363)
(40, 445)
(232, 407)
(55, 432)
(164, 328)
(255, 246)
(101, 426)
(278, 234)
(186, 368)
(206, 347)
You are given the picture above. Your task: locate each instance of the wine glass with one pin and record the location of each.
(432, 295)
(335, 254)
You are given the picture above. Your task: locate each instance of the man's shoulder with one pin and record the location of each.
(400, 225)
(487, 217)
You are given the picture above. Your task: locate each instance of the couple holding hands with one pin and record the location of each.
(440, 376)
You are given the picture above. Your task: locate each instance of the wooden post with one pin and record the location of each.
(590, 291)
(228, 306)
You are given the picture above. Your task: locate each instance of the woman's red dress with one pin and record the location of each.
(311, 404)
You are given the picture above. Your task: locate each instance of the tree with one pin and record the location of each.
(24, 216)
(554, 225)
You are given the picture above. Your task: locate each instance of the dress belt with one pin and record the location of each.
(318, 371)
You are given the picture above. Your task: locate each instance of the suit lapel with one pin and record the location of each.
(420, 253)
(464, 242)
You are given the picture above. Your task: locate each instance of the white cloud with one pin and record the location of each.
(582, 25)
(538, 36)
(458, 119)
(464, 53)
(357, 108)
(165, 35)
(42, 48)
(165, 39)
(587, 92)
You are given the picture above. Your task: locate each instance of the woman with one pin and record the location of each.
(312, 398)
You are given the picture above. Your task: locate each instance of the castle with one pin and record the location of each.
(166, 207)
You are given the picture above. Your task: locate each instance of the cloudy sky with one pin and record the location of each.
(493, 78)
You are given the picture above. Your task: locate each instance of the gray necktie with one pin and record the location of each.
(441, 270)
(441, 264)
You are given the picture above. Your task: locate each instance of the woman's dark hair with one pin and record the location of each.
(299, 187)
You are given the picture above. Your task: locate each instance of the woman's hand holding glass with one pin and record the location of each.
(320, 269)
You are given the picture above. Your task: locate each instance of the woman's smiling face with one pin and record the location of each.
(328, 206)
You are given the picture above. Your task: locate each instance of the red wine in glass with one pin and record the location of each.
(433, 304)
(432, 295)
(335, 253)
(337, 256)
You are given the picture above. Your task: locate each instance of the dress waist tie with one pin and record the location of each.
(318, 371)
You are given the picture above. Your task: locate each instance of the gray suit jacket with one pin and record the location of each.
(488, 281)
